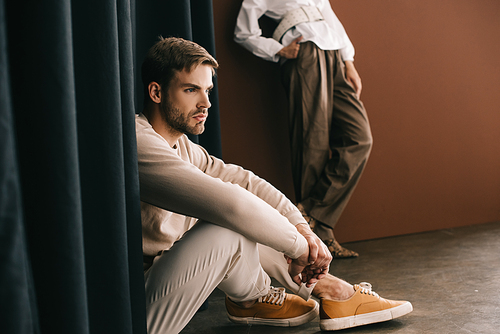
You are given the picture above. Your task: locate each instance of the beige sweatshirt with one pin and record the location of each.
(184, 184)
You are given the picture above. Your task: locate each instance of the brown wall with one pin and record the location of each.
(431, 77)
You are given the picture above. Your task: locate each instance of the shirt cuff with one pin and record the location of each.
(295, 217)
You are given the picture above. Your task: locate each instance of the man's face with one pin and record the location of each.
(185, 105)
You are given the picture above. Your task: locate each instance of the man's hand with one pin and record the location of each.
(297, 269)
(291, 51)
(353, 77)
(314, 264)
(319, 255)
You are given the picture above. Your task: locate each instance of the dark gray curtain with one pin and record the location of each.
(70, 236)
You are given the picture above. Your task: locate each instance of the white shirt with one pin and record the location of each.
(327, 35)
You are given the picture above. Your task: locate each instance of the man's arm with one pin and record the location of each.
(312, 265)
(248, 34)
(246, 179)
(173, 184)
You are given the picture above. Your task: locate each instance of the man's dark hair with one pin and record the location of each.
(169, 55)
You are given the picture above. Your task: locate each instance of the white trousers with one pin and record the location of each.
(208, 256)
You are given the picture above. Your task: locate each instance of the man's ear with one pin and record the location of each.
(154, 90)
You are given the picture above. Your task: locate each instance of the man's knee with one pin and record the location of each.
(224, 238)
(363, 140)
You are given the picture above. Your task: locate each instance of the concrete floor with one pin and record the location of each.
(452, 278)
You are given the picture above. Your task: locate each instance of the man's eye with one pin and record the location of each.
(190, 90)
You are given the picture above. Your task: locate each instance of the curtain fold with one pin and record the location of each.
(103, 45)
(17, 305)
(42, 86)
(70, 232)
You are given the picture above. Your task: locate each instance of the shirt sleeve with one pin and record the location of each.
(248, 34)
(347, 52)
(176, 185)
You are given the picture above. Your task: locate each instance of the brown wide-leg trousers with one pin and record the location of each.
(329, 133)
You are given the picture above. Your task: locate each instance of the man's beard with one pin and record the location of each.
(178, 121)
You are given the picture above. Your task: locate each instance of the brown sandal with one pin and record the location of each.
(338, 251)
(335, 248)
(310, 220)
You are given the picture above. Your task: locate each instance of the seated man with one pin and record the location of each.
(208, 224)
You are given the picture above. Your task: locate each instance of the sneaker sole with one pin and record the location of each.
(365, 319)
(288, 322)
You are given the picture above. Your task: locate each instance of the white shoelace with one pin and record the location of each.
(366, 288)
(275, 296)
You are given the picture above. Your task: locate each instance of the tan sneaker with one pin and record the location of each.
(277, 308)
(364, 307)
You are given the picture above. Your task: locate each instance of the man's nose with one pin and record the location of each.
(205, 102)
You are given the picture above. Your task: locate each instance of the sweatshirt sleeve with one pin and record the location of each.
(176, 185)
(248, 34)
(246, 179)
